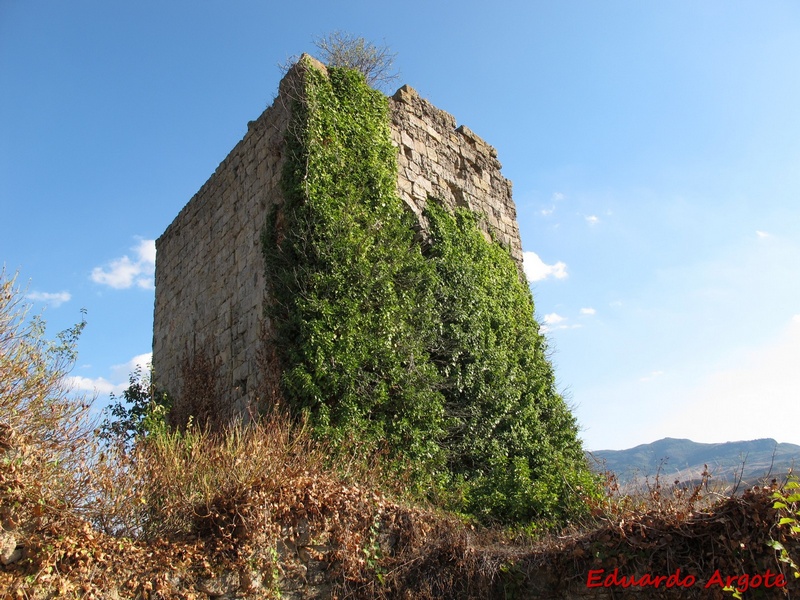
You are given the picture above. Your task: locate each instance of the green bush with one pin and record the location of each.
(143, 412)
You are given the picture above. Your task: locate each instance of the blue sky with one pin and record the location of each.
(653, 149)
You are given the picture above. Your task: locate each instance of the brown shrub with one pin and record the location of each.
(44, 429)
(199, 400)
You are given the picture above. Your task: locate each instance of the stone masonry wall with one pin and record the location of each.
(439, 160)
(209, 267)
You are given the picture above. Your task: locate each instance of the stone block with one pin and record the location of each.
(9, 552)
(406, 140)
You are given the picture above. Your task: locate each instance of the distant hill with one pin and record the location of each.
(684, 460)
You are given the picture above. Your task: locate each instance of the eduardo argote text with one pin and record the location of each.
(598, 578)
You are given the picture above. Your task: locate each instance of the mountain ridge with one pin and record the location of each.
(681, 459)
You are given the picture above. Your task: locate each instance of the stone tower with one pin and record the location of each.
(209, 267)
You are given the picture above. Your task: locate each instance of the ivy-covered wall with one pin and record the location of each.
(388, 287)
(352, 312)
(424, 349)
(209, 265)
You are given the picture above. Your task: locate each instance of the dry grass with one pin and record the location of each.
(179, 476)
(260, 499)
(259, 510)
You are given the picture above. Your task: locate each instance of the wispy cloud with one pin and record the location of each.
(141, 361)
(98, 386)
(554, 199)
(651, 376)
(762, 234)
(118, 381)
(717, 386)
(123, 273)
(537, 270)
(554, 321)
(55, 299)
(588, 311)
(592, 219)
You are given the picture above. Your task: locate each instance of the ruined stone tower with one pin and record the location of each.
(210, 281)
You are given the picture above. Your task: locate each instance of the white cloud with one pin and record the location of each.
(100, 386)
(553, 318)
(123, 273)
(762, 234)
(124, 370)
(588, 311)
(592, 219)
(554, 321)
(53, 299)
(556, 197)
(537, 270)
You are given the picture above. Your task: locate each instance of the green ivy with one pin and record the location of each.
(512, 440)
(354, 315)
(434, 356)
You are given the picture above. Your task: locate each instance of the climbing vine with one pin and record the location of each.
(512, 441)
(433, 355)
(353, 311)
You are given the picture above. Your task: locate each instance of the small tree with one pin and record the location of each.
(146, 413)
(341, 49)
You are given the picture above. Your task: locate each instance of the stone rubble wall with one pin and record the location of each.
(209, 267)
